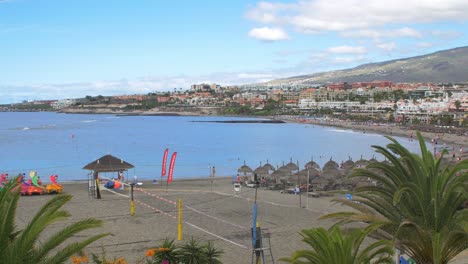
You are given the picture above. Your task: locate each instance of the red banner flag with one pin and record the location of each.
(163, 172)
(171, 167)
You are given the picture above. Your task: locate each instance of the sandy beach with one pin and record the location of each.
(210, 213)
(452, 141)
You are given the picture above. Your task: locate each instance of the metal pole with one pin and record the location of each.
(179, 225)
(307, 206)
(132, 202)
(299, 185)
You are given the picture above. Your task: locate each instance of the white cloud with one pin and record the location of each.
(424, 45)
(268, 34)
(254, 75)
(387, 46)
(347, 50)
(348, 59)
(48, 91)
(347, 15)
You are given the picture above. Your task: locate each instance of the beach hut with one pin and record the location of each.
(107, 163)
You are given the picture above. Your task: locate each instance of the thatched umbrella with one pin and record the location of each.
(108, 163)
(260, 171)
(269, 167)
(244, 169)
(304, 174)
(361, 163)
(312, 164)
(330, 164)
(277, 175)
(332, 172)
(319, 182)
(292, 166)
(348, 165)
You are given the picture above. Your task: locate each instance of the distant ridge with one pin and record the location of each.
(439, 67)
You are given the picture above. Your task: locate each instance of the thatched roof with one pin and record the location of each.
(349, 164)
(331, 172)
(260, 171)
(108, 163)
(330, 164)
(269, 167)
(292, 166)
(244, 169)
(312, 164)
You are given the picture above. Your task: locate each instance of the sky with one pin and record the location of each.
(55, 49)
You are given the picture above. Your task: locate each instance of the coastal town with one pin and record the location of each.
(378, 101)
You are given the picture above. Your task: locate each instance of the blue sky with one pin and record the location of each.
(66, 49)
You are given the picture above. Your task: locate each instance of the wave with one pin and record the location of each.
(342, 131)
(89, 121)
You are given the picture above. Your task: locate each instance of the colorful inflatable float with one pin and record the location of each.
(34, 185)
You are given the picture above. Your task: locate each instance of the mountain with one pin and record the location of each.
(446, 66)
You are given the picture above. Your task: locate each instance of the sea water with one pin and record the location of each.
(54, 143)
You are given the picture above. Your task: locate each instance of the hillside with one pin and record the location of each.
(438, 67)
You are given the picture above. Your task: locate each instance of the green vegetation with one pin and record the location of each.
(32, 107)
(191, 252)
(336, 246)
(417, 203)
(29, 245)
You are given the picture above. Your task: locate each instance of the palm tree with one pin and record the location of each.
(417, 202)
(29, 245)
(192, 252)
(334, 246)
(167, 253)
(212, 253)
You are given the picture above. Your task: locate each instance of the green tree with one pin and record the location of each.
(457, 105)
(28, 245)
(416, 200)
(335, 246)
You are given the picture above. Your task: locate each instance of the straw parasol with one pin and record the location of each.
(292, 166)
(261, 171)
(361, 163)
(269, 167)
(244, 169)
(330, 164)
(312, 164)
(108, 163)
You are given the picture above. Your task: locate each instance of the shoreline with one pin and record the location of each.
(451, 140)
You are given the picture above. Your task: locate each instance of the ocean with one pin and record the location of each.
(62, 144)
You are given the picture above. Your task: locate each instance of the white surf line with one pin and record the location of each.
(193, 209)
(194, 226)
(220, 237)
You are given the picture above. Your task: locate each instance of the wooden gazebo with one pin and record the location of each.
(108, 163)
